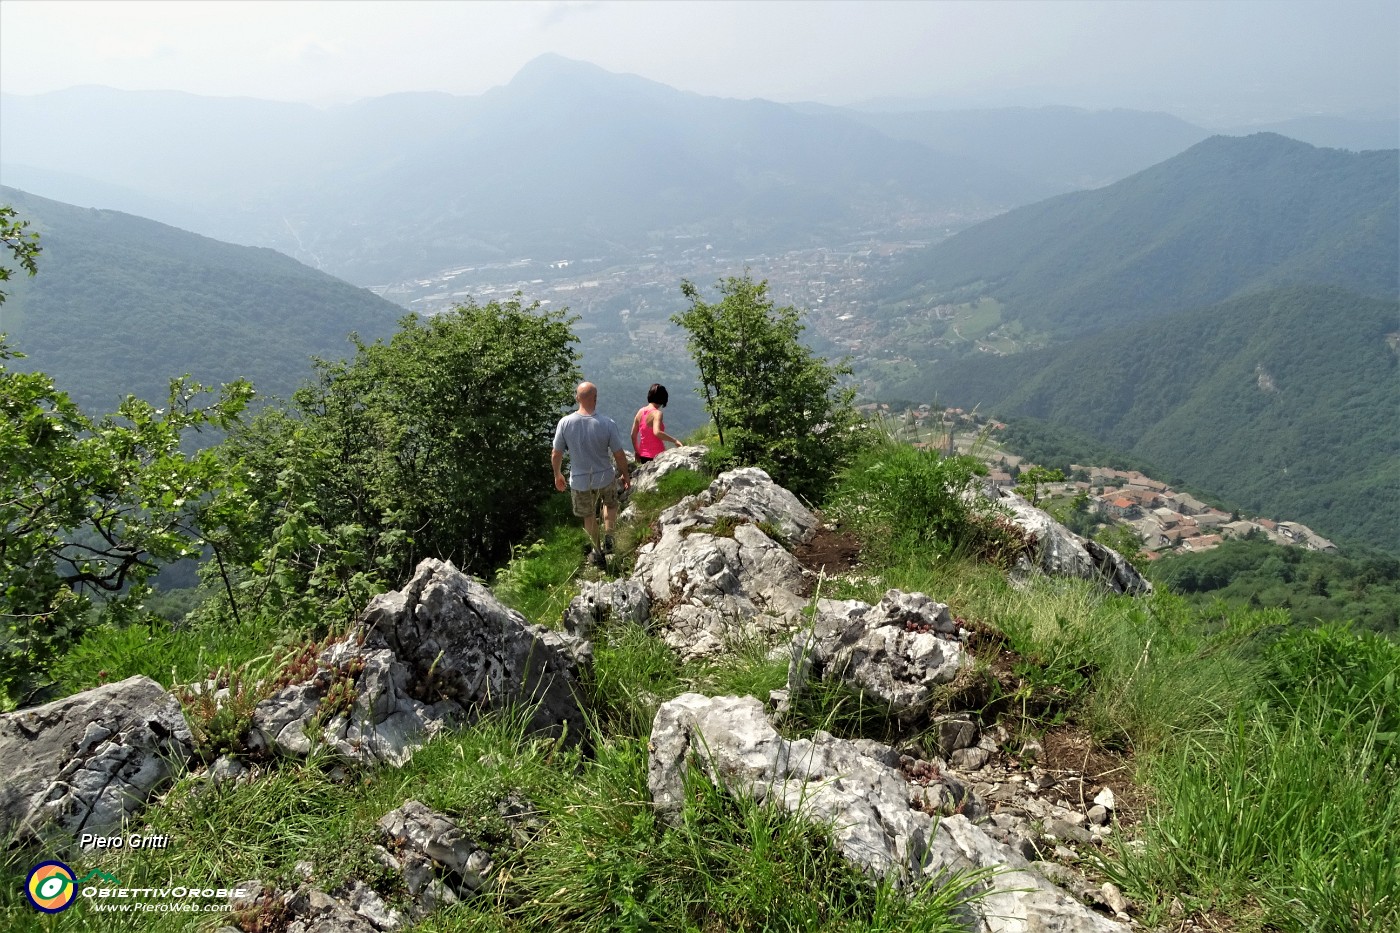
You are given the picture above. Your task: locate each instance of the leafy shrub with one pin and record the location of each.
(902, 499)
(774, 403)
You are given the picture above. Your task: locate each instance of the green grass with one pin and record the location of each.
(596, 858)
(977, 318)
(168, 653)
(543, 576)
(1290, 803)
(1269, 756)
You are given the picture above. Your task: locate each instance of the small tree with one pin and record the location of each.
(432, 444)
(774, 403)
(1029, 481)
(23, 246)
(91, 508)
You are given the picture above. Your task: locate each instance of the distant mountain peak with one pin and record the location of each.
(555, 73)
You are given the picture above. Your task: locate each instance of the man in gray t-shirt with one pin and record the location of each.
(589, 439)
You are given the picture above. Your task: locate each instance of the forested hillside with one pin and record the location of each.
(1283, 402)
(122, 304)
(1227, 216)
(1363, 589)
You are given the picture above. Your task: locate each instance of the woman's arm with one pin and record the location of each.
(656, 428)
(636, 425)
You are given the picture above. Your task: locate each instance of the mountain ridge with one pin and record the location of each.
(1226, 216)
(1284, 401)
(122, 304)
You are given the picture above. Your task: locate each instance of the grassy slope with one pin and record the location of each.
(1250, 818)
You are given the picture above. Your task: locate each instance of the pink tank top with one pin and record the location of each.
(648, 444)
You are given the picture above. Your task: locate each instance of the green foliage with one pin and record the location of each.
(1364, 588)
(22, 244)
(93, 508)
(1226, 217)
(773, 402)
(1293, 799)
(904, 500)
(172, 655)
(1028, 482)
(541, 577)
(1060, 445)
(1349, 679)
(678, 484)
(731, 864)
(634, 671)
(218, 724)
(1122, 538)
(432, 444)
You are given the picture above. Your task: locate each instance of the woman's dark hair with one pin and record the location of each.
(657, 394)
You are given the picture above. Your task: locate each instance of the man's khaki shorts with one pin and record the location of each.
(586, 500)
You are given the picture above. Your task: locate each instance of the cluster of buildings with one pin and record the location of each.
(1165, 519)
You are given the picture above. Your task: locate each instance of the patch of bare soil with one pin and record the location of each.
(1082, 768)
(829, 551)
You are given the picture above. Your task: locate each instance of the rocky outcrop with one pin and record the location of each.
(747, 494)
(618, 601)
(436, 864)
(880, 820)
(443, 649)
(308, 909)
(717, 573)
(898, 652)
(383, 721)
(465, 645)
(83, 763)
(1060, 552)
(645, 476)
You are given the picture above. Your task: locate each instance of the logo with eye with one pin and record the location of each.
(50, 887)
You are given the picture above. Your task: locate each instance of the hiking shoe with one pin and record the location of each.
(598, 559)
(607, 544)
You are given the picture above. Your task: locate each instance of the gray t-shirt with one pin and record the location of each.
(589, 440)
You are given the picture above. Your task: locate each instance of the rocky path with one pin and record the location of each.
(443, 650)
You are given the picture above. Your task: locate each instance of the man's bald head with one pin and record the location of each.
(587, 396)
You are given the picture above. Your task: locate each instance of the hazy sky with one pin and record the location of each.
(1228, 60)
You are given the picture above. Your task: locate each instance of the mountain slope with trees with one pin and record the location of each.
(1284, 402)
(122, 304)
(1227, 216)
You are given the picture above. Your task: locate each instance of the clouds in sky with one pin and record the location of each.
(1271, 58)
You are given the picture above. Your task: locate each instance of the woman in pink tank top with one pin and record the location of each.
(649, 435)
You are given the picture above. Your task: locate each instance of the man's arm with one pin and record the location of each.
(621, 459)
(556, 459)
